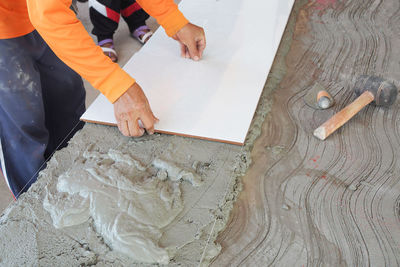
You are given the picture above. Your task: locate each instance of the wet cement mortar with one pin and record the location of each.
(27, 232)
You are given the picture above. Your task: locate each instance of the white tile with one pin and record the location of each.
(216, 97)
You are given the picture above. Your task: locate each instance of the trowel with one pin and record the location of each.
(318, 97)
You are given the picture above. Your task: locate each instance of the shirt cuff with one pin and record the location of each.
(173, 22)
(116, 84)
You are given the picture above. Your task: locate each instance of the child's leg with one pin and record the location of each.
(136, 18)
(105, 15)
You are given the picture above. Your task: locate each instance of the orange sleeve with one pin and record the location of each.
(166, 13)
(69, 40)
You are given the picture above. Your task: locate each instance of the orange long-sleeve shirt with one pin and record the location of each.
(67, 37)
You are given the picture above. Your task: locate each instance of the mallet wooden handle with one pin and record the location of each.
(340, 118)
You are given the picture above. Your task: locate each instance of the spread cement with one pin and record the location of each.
(107, 199)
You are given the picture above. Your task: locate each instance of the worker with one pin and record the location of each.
(44, 49)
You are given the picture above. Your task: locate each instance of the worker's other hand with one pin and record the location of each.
(131, 107)
(192, 41)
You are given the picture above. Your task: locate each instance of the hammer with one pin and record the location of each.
(368, 89)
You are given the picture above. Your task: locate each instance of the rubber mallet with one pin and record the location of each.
(368, 89)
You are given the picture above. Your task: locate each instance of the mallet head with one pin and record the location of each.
(384, 92)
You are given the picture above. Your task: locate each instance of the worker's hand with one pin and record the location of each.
(192, 41)
(131, 107)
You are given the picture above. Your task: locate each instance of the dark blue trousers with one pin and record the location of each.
(41, 101)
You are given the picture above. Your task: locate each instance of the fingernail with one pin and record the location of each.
(196, 58)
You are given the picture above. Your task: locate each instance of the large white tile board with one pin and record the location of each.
(216, 97)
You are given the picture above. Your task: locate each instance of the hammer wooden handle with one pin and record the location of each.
(340, 118)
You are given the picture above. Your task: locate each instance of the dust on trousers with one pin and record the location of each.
(41, 102)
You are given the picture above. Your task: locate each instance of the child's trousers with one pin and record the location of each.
(105, 15)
